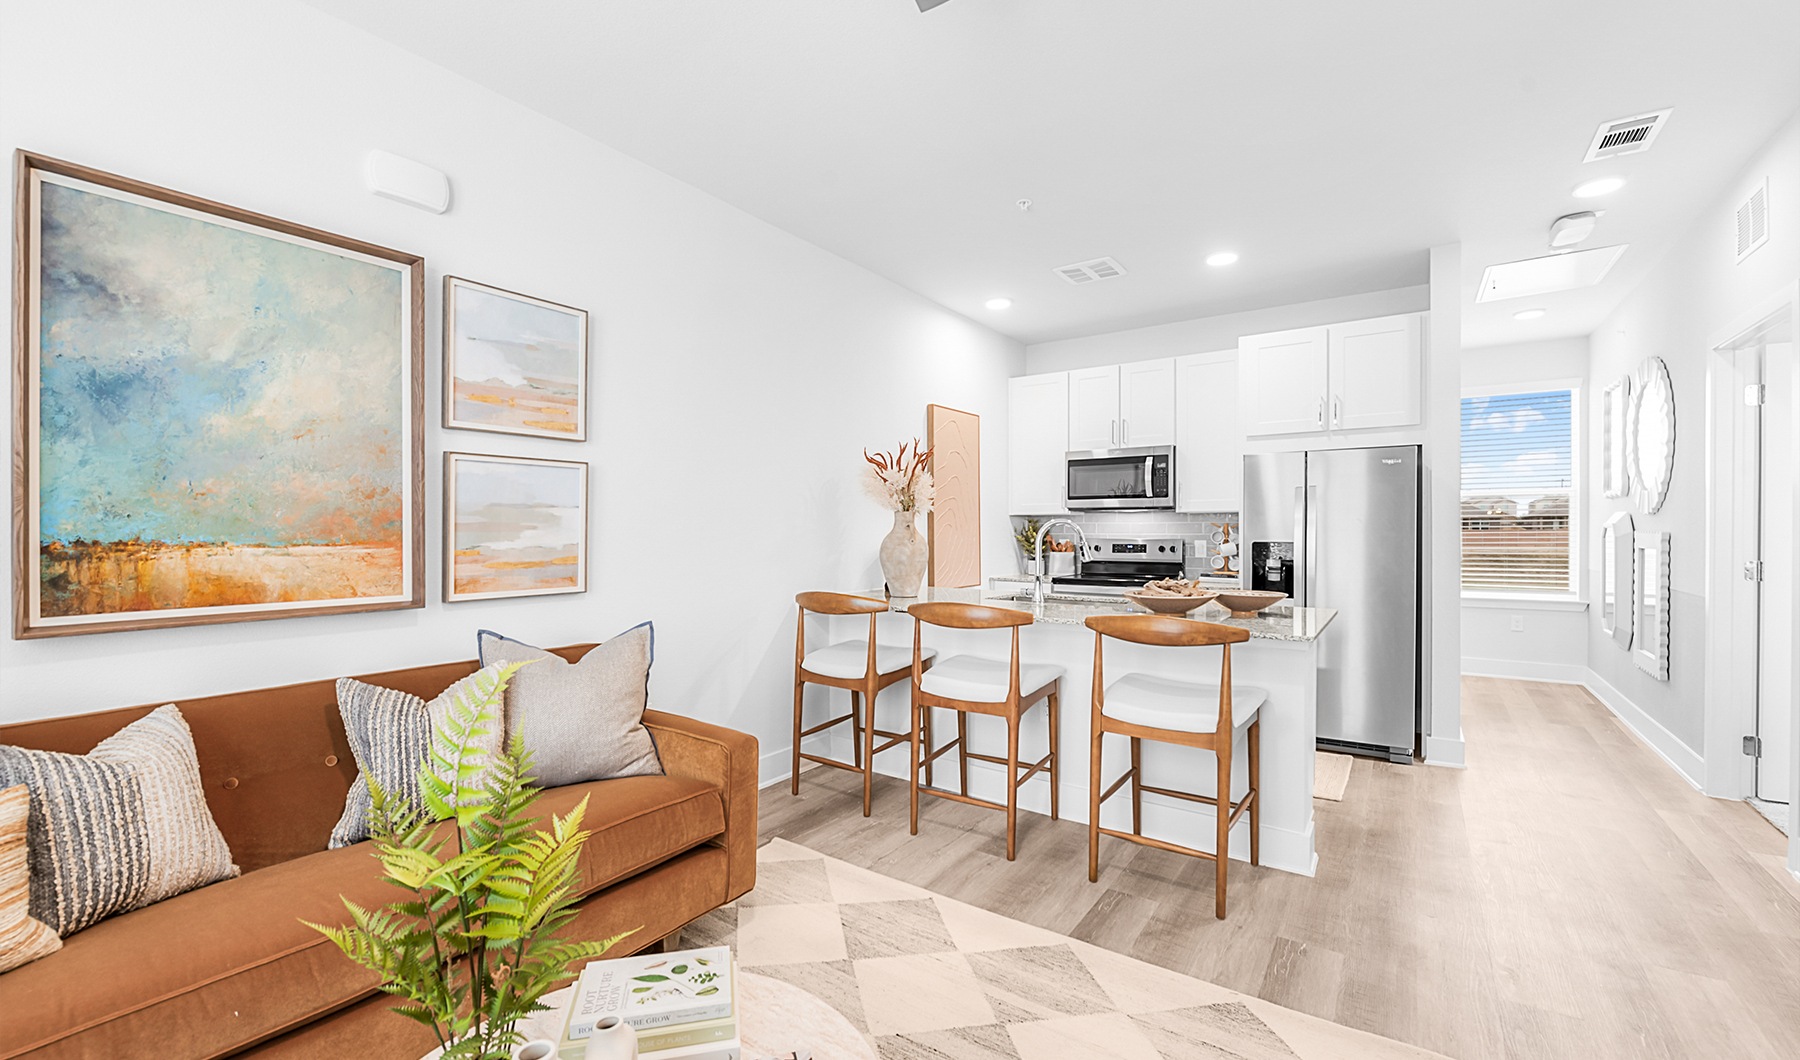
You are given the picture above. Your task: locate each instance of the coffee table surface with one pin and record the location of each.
(774, 1019)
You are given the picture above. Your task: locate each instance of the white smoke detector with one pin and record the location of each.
(1570, 229)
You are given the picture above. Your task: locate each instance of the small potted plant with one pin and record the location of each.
(1026, 536)
(470, 947)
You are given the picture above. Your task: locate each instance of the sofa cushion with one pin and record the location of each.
(581, 720)
(206, 972)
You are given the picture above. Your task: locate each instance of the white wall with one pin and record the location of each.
(1694, 292)
(737, 371)
(1217, 333)
(1553, 644)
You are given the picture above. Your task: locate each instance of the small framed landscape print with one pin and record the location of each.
(513, 526)
(512, 363)
(218, 415)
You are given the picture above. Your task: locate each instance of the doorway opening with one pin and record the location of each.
(1754, 377)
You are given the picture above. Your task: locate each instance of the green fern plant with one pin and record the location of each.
(472, 946)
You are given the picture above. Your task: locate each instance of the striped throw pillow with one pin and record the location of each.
(22, 938)
(390, 733)
(120, 827)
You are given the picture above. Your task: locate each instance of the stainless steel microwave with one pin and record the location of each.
(1138, 478)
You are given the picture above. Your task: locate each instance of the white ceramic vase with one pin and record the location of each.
(536, 1049)
(903, 556)
(613, 1039)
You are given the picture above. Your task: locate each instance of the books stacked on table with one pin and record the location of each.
(682, 1005)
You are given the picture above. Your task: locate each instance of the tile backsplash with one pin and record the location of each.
(1196, 530)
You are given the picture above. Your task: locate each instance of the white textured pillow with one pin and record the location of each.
(580, 720)
(120, 827)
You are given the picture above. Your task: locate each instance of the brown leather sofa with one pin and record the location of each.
(230, 970)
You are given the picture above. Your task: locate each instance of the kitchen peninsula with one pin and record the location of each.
(1281, 658)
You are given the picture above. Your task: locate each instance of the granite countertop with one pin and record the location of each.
(1281, 622)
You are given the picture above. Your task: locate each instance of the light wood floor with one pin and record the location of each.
(1567, 895)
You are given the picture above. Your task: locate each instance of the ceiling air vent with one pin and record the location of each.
(1627, 136)
(1088, 271)
(1753, 221)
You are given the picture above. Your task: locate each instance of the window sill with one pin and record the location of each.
(1521, 602)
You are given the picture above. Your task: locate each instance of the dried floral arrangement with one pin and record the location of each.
(900, 479)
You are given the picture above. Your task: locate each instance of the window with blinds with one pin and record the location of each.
(1517, 492)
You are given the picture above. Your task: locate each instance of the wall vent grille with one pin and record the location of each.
(1627, 136)
(1088, 271)
(1752, 221)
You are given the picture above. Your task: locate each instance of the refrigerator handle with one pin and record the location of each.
(1300, 523)
(1312, 543)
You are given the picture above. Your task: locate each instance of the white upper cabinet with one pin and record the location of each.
(1341, 377)
(1094, 408)
(1147, 403)
(1375, 373)
(1282, 381)
(1209, 441)
(1122, 405)
(1037, 436)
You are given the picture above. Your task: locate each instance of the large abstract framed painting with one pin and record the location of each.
(218, 415)
(513, 363)
(513, 527)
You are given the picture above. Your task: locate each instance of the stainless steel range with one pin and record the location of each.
(1110, 565)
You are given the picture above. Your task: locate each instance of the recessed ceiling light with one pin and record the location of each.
(1223, 257)
(1593, 189)
(1529, 314)
(999, 303)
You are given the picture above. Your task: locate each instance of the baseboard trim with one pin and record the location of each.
(1520, 670)
(1690, 766)
(1445, 752)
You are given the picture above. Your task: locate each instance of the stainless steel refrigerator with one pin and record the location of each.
(1340, 528)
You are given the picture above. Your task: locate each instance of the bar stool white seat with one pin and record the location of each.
(973, 677)
(1178, 706)
(849, 659)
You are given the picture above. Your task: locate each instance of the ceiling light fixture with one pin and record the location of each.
(999, 303)
(1567, 271)
(1570, 229)
(1223, 257)
(1593, 189)
(1529, 314)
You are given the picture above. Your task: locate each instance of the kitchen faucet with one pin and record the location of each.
(1043, 574)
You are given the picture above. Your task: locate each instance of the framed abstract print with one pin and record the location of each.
(513, 526)
(218, 415)
(512, 363)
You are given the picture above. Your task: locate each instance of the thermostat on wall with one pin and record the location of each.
(403, 180)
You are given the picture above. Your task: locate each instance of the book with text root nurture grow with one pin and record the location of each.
(653, 990)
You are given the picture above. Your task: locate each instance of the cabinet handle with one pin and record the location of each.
(1336, 412)
(1125, 432)
(1114, 433)
(1321, 413)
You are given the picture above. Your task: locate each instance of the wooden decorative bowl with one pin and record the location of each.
(1245, 603)
(1169, 605)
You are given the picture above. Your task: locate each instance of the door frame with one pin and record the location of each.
(1730, 600)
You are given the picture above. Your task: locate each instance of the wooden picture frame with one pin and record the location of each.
(514, 526)
(513, 364)
(221, 408)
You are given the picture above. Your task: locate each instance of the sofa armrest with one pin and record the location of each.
(729, 760)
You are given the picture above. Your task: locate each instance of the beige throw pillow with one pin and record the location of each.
(580, 720)
(22, 939)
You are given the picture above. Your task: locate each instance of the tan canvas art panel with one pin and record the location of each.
(954, 437)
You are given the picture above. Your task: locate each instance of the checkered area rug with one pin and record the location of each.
(930, 978)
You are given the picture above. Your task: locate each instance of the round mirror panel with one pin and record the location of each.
(1652, 430)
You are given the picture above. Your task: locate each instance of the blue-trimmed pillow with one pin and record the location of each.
(580, 720)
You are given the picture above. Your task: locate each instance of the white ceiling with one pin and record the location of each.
(1329, 143)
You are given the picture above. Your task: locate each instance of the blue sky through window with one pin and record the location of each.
(1517, 446)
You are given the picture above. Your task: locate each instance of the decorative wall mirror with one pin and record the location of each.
(1651, 549)
(1652, 434)
(1615, 410)
(1618, 563)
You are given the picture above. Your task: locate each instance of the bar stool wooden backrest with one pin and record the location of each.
(969, 616)
(836, 604)
(1166, 631)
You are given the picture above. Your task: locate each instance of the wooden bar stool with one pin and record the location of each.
(1189, 714)
(970, 684)
(862, 666)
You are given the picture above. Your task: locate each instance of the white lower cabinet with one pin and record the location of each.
(1037, 439)
(1209, 440)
